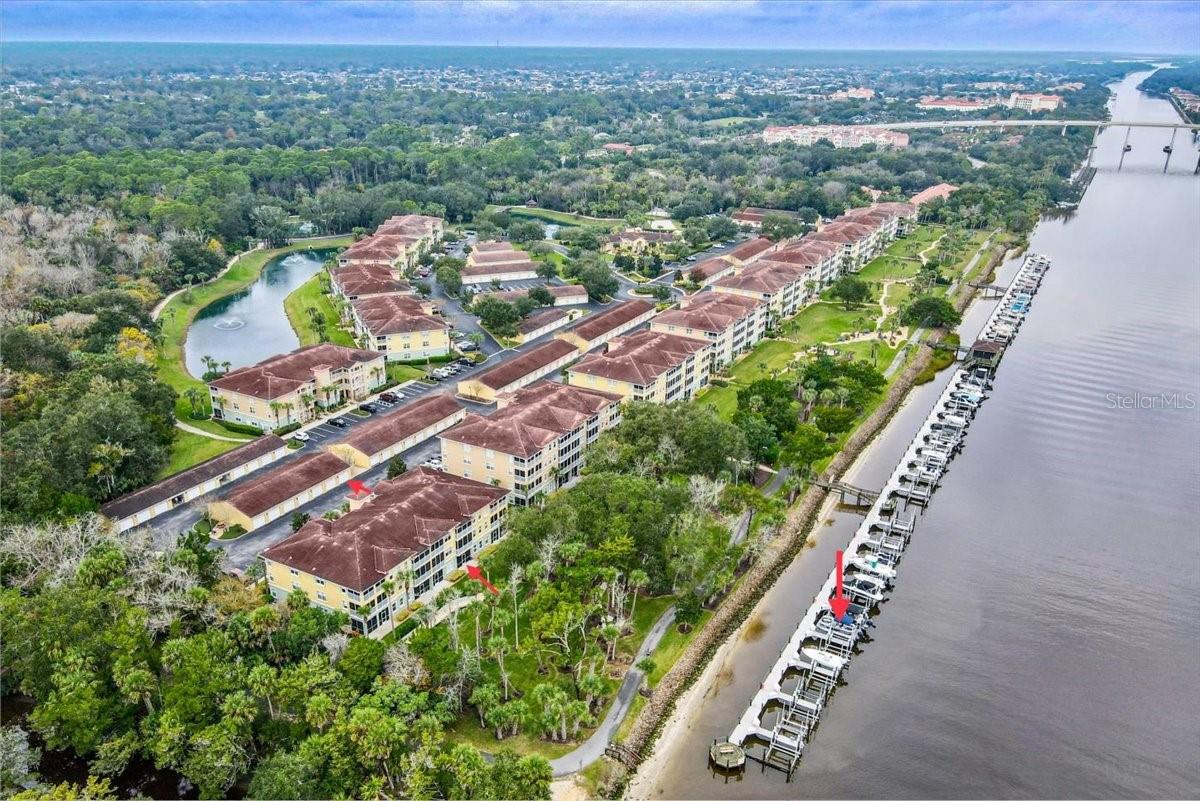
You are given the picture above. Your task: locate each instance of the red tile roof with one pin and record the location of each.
(708, 268)
(279, 375)
(378, 246)
(751, 250)
(935, 192)
(531, 418)
(594, 326)
(400, 423)
(498, 257)
(367, 279)
(709, 311)
(524, 363)
(492, 247)
(395, 314)
(284, 482)
(477, 270)
(765, 277)
(404, 516)
(177, 484)
(557, 290)
(540, 319)
(640, 357)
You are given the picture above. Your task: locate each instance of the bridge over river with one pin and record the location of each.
(920, 124)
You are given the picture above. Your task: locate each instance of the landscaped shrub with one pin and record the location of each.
(234, 531)
(289, 428)
(449, 357)
(240, 428)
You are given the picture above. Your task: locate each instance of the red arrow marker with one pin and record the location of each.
(838, 603)
(357, 487)
(473, 572)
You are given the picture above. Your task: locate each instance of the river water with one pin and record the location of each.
(251, 325)
(1042, 639)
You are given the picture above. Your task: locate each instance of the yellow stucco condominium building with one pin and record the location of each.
(533, 444)
(401, 326)
(397, 244)
(292, 387)
(392, 550)
(647, 366)
(733, 324)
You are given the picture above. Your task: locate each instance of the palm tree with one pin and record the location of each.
(225, 366)
(375, 373)
(638, 580)
(328, 390)
(194, 396)
(275, 407)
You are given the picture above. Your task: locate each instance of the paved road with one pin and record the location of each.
(593, 747)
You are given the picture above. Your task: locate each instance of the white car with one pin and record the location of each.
(301, 436)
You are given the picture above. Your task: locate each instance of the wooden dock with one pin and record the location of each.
(785, 711)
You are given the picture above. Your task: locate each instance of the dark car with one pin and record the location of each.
(390, 397)
(367, 407)
(337, 422)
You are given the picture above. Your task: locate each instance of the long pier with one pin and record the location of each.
(785, 711)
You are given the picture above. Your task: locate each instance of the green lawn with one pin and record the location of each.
(725, 122)
(825, 322)
(767, 357)
(723, 399)
(399, 373)
(188, 449)
(862, 350)
(310, 295)
(560, 217)
(894, 267)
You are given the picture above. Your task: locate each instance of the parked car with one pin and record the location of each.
(466, 362)
(301, 436)
(366, 407)
(390, 397)
(467, 347)
(456, 334)
(337, 422)
(691, 258)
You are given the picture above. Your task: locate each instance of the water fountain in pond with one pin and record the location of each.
(231, 324)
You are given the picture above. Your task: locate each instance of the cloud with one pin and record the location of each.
(1163, 26)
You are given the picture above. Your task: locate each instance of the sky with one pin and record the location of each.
(1125, 26)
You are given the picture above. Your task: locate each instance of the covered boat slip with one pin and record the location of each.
(785, 711)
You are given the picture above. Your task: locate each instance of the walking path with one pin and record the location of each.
(162, 304)
(200, 431)
(593, 747)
